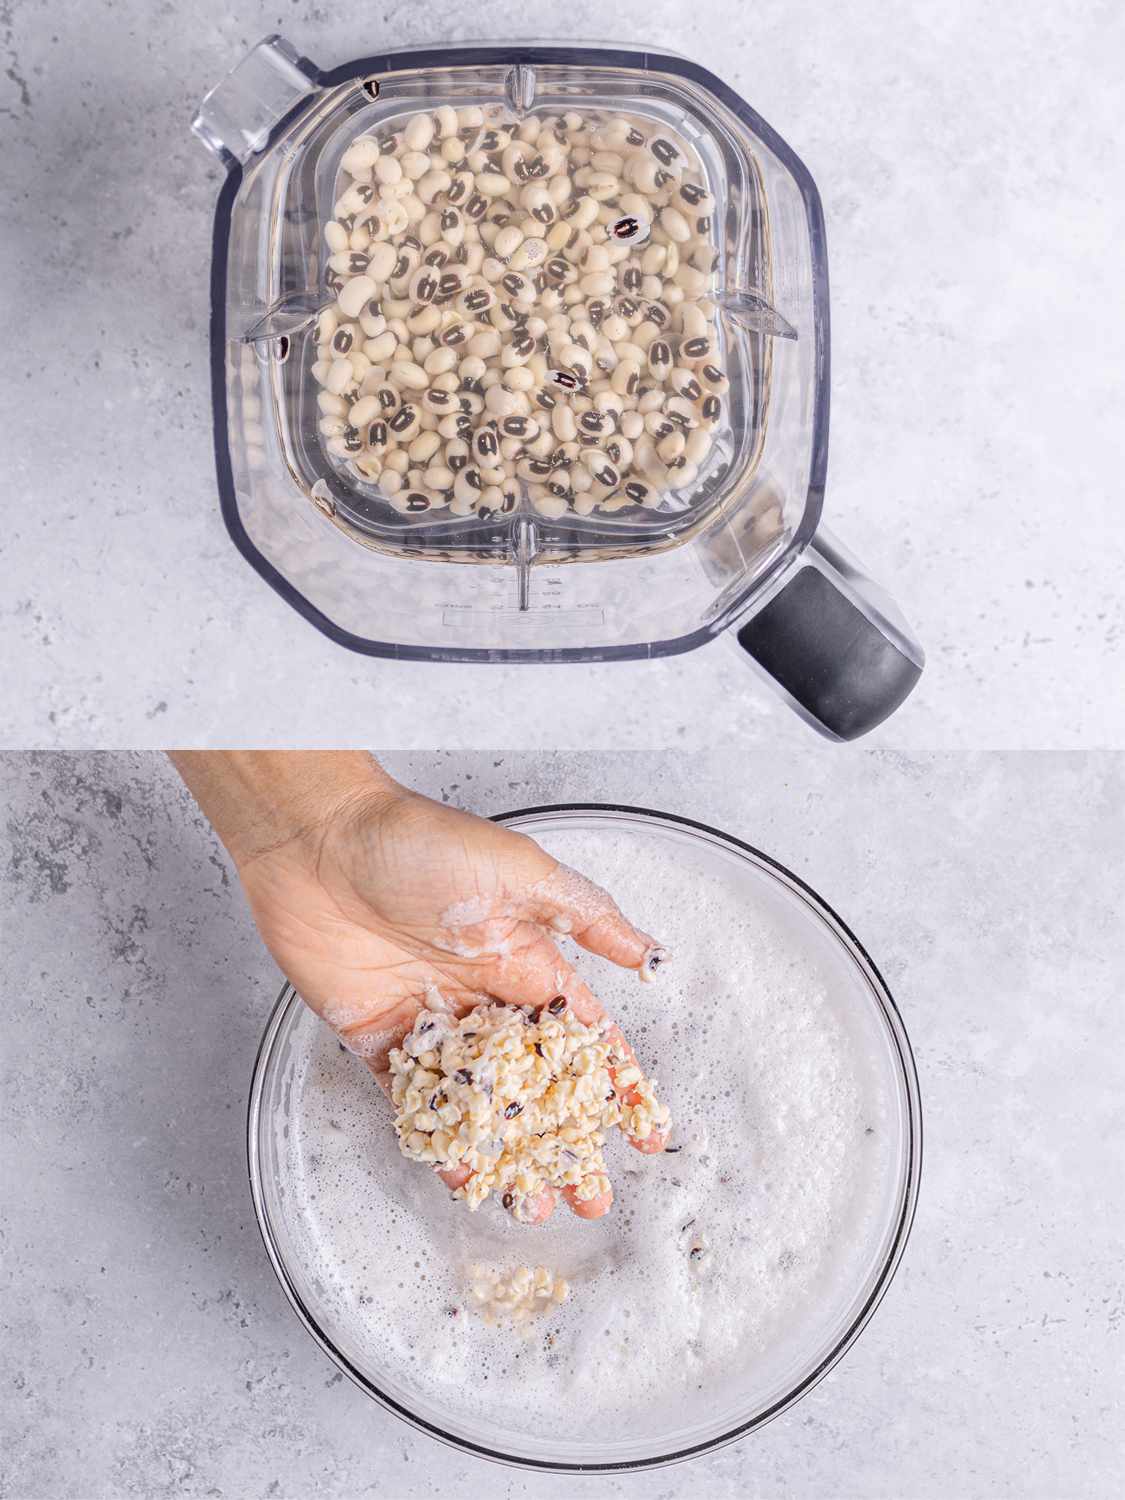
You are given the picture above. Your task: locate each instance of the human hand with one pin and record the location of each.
(377, 898)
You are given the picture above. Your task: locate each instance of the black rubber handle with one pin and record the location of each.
(843, 672)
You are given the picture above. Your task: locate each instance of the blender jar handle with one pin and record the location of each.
(236, 117)
(834, 643)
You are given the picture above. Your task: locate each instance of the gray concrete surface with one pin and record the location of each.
(148, 1350)
(967, 156)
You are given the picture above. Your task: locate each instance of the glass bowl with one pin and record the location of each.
(759, 1388)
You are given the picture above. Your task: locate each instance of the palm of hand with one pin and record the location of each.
(381, 908)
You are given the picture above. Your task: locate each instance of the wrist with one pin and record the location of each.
(259, 801)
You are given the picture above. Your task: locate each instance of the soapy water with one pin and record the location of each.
(723, 1262)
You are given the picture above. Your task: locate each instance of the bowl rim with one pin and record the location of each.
(892, 1256)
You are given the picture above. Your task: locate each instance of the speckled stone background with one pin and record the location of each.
(148, 1350)
(969, 156)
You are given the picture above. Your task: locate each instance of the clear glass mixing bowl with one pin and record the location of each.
(887, 1055)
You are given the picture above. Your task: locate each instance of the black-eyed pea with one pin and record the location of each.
(485, 446)
(459, 191)
(683, 473)
(438, 478)
(335, 236)
(354, 295)
(551, 506)
(541, 445)
(534, 470)
(331, 426)
(381, 348)
(441, 403)
(390, 482)
(430, 184)
(492, 184)
(486, 344)
(671, 446)
(675, 225)
(697, 350)
(363, 411)
(519, 426)
(600, 467)
(710, 412)
(659, 357)
(657, 423)
(632, 425)
(457, 454)
(492, 474)
(684, 382)
(424, 284)
(698, 448)
(713, 378)
(372, 320)
(404, 422)
(340, 376)
(682, 412)
(620, 452)
(467, 483)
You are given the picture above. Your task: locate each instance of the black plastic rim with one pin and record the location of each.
(492, 56)
(913, 1169)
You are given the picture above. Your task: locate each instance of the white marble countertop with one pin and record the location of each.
(149, 1350)
(966, 156)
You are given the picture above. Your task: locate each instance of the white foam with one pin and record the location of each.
(784, 1101)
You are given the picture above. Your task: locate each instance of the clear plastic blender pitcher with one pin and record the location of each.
(739, 549)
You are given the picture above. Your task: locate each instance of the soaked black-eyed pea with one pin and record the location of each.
(519, 427)
(600, 468)
(659, 358)
(457, 454)
(517, 286)
(714, 378)
(658, 425)
(352, 439)
(453, 336)
(684, 383)
(476, 207)
(389, 398)
(404, 421)
(594, 423)
(711, 410)
(452, 284)
(438, 401)
(424, 285)
(558, 483)
(695, 349)
(486, 445)
(656, 312)
(417, 502)
(343, 340)
(637, 491)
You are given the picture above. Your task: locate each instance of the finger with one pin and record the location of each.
(569, 903)
(588, 1208)
(656, 1140)
(535, 1209)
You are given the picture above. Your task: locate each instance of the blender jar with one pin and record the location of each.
(736, 547)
